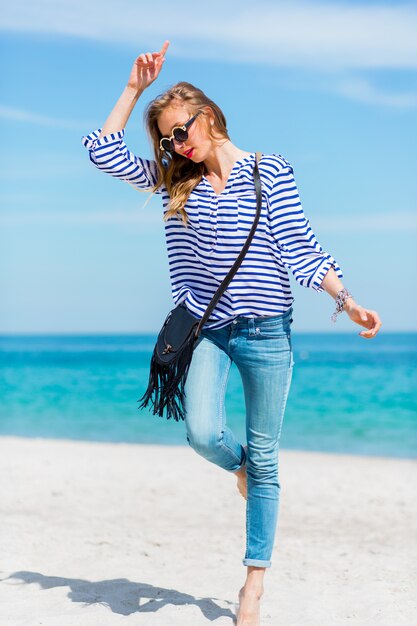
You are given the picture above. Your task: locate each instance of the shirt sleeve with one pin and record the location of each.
(111, 155)
(300, 251)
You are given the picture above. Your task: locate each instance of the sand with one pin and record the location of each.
(97, 534)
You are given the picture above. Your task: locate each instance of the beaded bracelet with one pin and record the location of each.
(341, 298)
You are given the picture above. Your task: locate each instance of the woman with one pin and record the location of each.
(207, 188)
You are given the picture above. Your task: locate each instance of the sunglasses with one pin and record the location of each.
(179, 134)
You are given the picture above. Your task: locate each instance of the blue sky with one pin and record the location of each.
(330, 86)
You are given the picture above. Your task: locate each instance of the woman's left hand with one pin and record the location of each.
(364, 317)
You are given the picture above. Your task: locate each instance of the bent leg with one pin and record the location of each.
(205, 415)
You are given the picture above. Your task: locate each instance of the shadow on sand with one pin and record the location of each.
(125, 597)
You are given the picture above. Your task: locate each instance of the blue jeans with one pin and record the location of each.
(262, 350)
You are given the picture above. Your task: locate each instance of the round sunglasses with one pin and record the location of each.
(179, 134)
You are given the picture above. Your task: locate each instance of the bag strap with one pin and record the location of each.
(225, 283)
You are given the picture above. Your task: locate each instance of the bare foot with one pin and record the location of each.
(242, 479)
(248, 613)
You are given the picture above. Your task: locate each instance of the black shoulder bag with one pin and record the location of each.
(173, 350)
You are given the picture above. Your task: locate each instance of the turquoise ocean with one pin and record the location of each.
(348, 394)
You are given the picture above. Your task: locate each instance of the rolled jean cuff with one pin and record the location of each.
(257, 563)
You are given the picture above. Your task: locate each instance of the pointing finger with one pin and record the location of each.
(164, 47)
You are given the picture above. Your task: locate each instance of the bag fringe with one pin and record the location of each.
(166, 383)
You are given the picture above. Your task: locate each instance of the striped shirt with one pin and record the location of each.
(201, 255)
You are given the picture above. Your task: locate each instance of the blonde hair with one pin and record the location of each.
(181, 175)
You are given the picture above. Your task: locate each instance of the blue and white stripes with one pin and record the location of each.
(201, 255)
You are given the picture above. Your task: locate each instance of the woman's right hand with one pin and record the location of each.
(146, 68)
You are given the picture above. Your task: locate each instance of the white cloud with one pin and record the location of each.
(399, 221)
(23, 115)
(145, 217)
(47, 167)
(150, 216)
(361, 90)
(323, 35)
(349, 85)
(20, 115)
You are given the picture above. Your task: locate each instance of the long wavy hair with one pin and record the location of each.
(178, 174)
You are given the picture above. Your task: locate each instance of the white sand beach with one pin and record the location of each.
(100, 534)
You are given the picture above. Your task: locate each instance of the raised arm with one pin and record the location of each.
(106, 147)
(145, 71)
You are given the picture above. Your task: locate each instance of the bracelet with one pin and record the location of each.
(341, 298)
